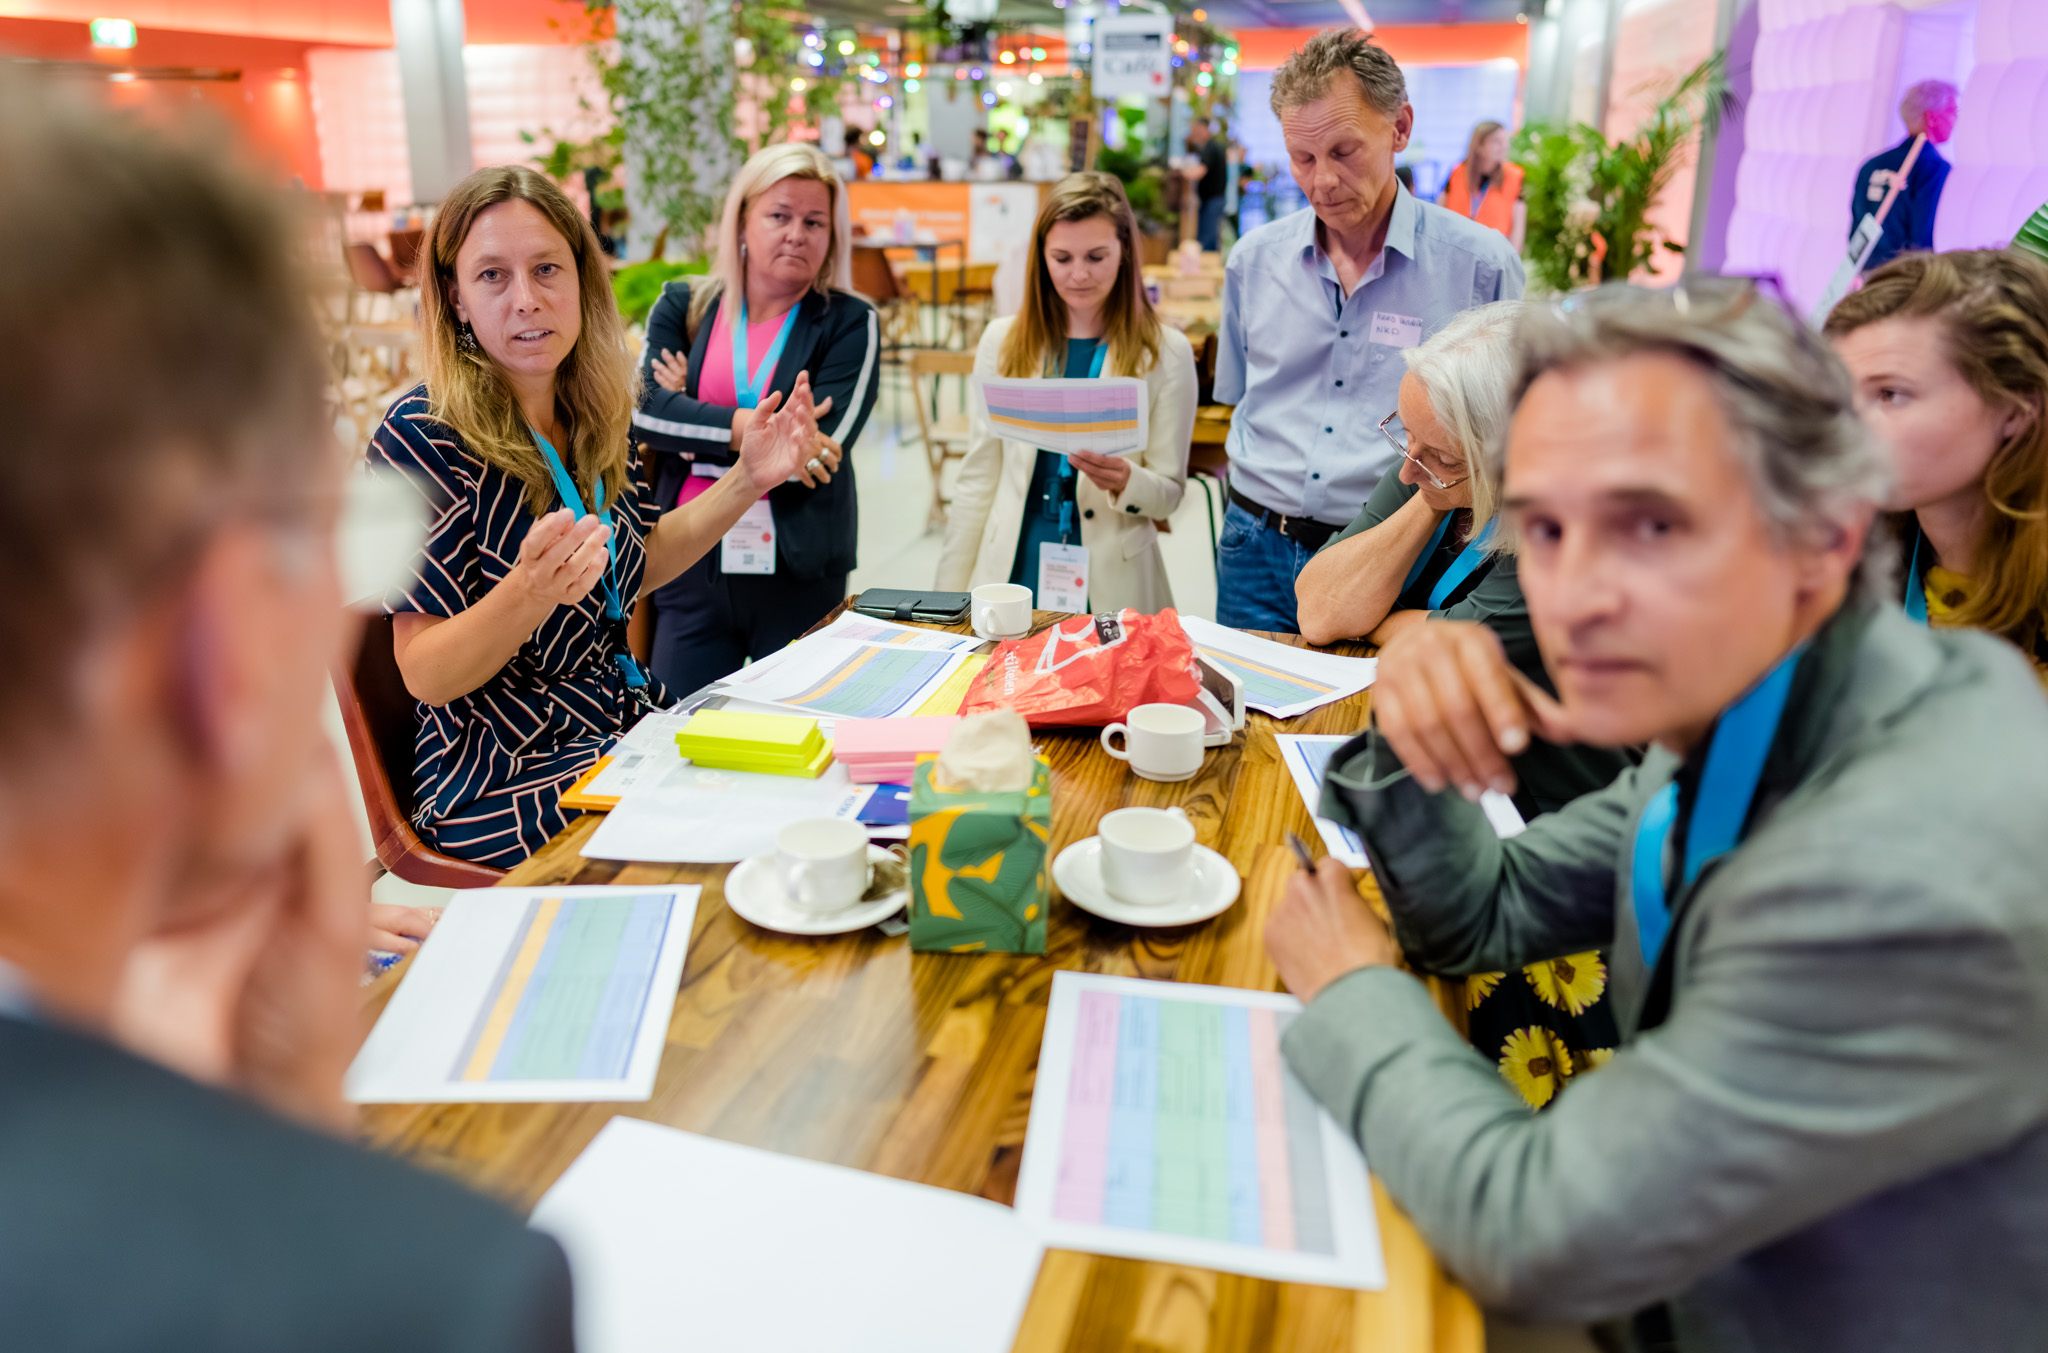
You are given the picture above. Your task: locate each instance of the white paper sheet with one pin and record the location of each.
(642, 755)
(681, 1242)
(1278, 678)
(1306, 758)
(497, 1004)
(692, 815)
(1164, 1125)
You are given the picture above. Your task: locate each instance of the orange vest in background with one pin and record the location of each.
(1497, 208)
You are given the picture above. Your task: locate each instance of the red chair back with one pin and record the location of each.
(381, 718)
(369, 270)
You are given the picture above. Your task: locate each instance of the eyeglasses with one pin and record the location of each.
(1400, 445)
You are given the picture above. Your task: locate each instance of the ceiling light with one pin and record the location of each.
(112, 33)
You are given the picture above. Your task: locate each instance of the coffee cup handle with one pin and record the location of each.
(1124, 755)
(1177, 812)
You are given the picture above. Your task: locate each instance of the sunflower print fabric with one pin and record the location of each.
(1545, 1024)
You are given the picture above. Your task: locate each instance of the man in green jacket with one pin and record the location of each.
(1825, 888)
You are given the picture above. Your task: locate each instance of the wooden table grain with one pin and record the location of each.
(854, 1050)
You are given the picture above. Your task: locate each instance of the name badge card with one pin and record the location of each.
(749, 547)
(1063, 578)
(1395, 331)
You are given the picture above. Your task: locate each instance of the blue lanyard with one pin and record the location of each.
(749, 387)
(1461, 567)
(1067, 472)
(614, 613)
(1916, 589)
(1728, 781)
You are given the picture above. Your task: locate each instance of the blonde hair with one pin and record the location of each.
(597, 383)
(1130, 329)
(1467, 368)
(764, 169)
(1994, 306)
(1500, 171)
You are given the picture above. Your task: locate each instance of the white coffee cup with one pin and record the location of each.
(1147, 854)
(1002, 610)
(1162, 742)
(823, 863)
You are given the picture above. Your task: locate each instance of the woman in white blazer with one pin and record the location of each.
(1084, 313)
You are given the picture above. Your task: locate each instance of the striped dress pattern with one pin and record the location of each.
(491, 766)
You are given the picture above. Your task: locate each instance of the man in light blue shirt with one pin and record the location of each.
(1317, 307)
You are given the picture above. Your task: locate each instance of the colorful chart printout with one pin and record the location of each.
(874, 682)
(1166, 1125)
(569, 998)
(533, 994)
(1104, 414)
(1280, 679)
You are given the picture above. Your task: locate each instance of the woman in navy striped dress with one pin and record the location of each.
(543, 527)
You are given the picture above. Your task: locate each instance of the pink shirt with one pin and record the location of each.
(715, 384)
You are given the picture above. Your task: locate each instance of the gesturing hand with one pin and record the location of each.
(1454, 709)
(1108, 473)
(562, 558)
(1322, 929)
(671, 372)
(781, 436)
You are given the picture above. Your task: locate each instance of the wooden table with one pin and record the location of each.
(854, 1050)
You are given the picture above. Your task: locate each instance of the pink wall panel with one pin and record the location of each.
(2000, 148)
(1823, 89)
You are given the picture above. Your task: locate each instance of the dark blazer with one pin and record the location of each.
(142, 1212)
(837, 340)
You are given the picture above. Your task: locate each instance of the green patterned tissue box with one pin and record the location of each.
(979, 879)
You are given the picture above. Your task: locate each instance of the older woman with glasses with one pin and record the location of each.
(1424, 548)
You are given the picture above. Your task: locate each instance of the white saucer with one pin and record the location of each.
(994, 638)
(753, 890)
(1212, 888)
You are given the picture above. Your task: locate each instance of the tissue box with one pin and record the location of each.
(979, 873)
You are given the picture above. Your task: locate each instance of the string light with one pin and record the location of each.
(797, 84)
(912, 86)
(1008, 58)
(846, 46)
(913, 70)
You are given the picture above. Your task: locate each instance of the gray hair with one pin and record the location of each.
(1305, 76)
(1786, 395)
(1467, 369)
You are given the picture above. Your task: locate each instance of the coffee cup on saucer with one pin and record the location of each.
(1162, 742)
(1001, 610)
(1147, 854)
(822, 863)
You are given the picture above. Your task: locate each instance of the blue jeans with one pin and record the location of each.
(1255, 571)
(1209, 225)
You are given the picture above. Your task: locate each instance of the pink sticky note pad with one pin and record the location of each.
(892, 740)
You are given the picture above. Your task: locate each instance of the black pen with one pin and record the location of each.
(1301, 852)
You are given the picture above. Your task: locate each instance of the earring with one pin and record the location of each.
(465, 338)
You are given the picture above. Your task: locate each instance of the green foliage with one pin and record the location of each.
(564, 160)
(778, 58)
(1143, 177)
(1577, 184)
(638, 285)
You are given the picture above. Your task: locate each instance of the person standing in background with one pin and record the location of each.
(1317, 309)
(778, 306)
(1084, 315)
(1212, 180)
(1929, 109)
(1487, 187)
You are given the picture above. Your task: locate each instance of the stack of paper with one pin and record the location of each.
(765, 744)
(885, 751)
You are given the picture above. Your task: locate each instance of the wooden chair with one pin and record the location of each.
(945, 436)
(370, 276)
(875, 278)
(379, 713)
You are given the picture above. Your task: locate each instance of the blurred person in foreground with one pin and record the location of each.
(1950, 357)
(1317, 308)
(1827, 1125)
(183, 878)
(1929, 109)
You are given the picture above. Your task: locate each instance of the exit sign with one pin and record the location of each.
(113, 33)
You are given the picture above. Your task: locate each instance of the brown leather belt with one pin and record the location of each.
(1305, 531)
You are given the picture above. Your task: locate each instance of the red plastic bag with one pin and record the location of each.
(1090, 670)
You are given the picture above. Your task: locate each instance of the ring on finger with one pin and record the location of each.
(814, 465)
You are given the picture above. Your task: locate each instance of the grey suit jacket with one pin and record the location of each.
(1832, 1131)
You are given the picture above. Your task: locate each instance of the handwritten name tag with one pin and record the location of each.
(1395, 331)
